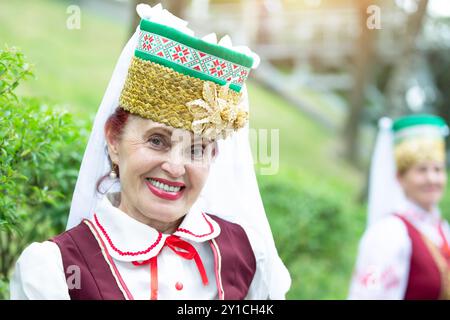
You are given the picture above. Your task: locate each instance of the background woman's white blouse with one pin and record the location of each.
(383, 262)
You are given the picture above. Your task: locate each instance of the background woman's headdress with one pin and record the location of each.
(400, 144)
(418, 138)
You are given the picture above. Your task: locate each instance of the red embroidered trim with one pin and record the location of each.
(211, 228)
(217, 267)
(126, 253)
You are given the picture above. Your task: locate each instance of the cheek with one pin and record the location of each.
(197, 176)
(139, 160)
(443, 179)
(413, 183)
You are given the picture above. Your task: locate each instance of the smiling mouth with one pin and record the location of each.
(166, 185)
(432, 190)
(165, 189)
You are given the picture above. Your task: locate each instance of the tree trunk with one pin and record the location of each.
(361, 73)
(396, 90)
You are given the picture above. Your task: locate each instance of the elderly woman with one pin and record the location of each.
(404, 253)
(178, 215)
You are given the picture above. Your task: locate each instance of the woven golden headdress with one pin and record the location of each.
(185, 82)
(419, 138)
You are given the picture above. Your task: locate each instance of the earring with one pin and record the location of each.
(113, 173)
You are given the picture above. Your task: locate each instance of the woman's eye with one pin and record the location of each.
(422, 169)
(157, 141)
(197, 152)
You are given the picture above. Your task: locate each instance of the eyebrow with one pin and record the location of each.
(169, 133)
(166, 130)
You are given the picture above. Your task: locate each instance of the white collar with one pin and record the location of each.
(419, 215)
(130, 240)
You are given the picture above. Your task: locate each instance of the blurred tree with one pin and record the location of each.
(440, 63)
(393, 74)
(396, 84)
(361, 74)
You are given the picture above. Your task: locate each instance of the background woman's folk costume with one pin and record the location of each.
(223, 248)
(404, 253)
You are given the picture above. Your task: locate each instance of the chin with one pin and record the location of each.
(435, 201)
(430, 203)
(167, 213)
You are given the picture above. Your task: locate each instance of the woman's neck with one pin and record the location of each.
(163, 227)
(429, 209)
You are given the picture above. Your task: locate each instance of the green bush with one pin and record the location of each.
(315, 228)
(305, 217)
(40, 152)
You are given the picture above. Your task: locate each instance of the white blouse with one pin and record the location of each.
(39, 271)
(383, 262)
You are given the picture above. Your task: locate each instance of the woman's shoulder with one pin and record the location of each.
(239, 230)
(38, 272)
(391, 223)
(46, 253)
(38, 253)
(388, 233)
(226, 221)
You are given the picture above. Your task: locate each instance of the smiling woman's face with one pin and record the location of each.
(424, 183)
(162, 171)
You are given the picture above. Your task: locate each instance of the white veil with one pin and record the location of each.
(385, 193)
(95, 162)
(231, 191)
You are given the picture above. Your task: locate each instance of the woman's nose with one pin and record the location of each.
(174, 169)
(432, 176)
(175, 163)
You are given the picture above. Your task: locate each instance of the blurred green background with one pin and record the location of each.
(315, 202)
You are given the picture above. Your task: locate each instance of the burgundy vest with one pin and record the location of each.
(426, 280)
(79, 247)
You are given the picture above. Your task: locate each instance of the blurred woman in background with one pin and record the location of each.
(405, 253)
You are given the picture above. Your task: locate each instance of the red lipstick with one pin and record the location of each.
(170, 183)
(167, 195)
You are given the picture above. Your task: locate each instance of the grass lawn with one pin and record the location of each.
(73, 68)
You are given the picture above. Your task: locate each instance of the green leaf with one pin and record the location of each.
(24, 153)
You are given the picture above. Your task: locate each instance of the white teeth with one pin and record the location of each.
(163, 186)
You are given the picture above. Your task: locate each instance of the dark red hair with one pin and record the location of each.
(114, 126)
(116, 122)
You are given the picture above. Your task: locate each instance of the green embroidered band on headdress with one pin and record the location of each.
(185, 82)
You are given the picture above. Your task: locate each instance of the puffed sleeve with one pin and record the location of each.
(39, 274)
(382, 266)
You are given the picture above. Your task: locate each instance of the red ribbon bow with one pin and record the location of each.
(182, 248)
